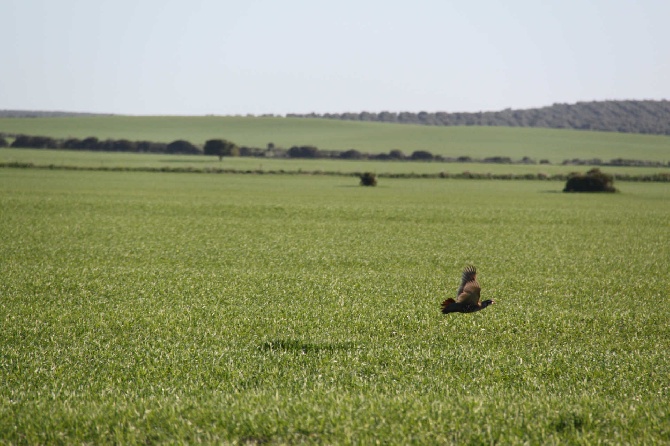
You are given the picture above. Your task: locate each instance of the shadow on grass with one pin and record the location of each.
(292, 345)
(363, 187)
(570, 421)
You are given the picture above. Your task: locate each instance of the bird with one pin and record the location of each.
(467, 296)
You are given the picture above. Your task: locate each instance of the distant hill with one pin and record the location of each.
(646, 117)
(643, 117)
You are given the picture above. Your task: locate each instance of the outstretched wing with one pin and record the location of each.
(468, 292)
(469, 275)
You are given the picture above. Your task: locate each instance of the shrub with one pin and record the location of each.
(368, 179)
(593, 181)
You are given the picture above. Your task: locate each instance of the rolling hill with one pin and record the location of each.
(368, 137)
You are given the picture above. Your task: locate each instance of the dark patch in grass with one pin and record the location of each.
(304, 347)
(569, 421)
(299, 437)
(255, 440)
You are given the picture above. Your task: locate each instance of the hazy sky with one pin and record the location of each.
(197, 57)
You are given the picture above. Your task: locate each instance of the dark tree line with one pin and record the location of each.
(649, 117)
(222, 148)
(108, 145)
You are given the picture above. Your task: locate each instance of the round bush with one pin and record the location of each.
(593, 181)
(368, 179)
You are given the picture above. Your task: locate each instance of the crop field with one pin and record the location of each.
(477, 142)
(139, 161)
(252, 309)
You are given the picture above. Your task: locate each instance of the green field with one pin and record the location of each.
(252, 309)
(138, 161)
(477, 142)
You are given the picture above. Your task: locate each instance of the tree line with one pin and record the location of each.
(224, 148)
(647, 117)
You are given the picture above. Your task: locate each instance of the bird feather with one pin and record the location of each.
(469, 274)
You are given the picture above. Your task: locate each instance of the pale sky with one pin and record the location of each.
(197, 57)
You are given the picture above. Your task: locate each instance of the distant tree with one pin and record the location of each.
(498, 159)
(35, 142)
(249, 151)
(617, 116)
(221, 148)
(71, 144)
(351, 154)
(3, 142)
(122, 145)
(150, 147)
(303, 152)
(421, 155)
(379, 156)
(90, 143)
(183, 147)
(106, 146)
(386, 116)
(396, 154)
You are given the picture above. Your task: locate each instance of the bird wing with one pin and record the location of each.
(469, 293)
(469, 275)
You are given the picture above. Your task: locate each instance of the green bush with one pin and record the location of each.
(593, 181)
(368, 179)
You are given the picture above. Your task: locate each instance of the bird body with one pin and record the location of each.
(467, 296)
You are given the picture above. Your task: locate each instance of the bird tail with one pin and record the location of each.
(445, 305)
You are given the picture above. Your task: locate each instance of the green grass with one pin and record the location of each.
(109, 160)
(477, 142)
(161, 308)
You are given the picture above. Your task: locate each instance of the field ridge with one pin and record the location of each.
(662, 177)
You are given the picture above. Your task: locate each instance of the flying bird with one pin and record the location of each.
(467, 297)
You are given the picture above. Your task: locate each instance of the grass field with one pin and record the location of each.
(108, 160)
(477, 142)
(167, 308)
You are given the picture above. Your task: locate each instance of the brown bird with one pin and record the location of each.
(467, 297)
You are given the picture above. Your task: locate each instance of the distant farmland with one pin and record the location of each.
(84, 160)
(477, 142)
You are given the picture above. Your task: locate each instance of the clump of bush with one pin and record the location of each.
(368, 179)
(593, 181)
